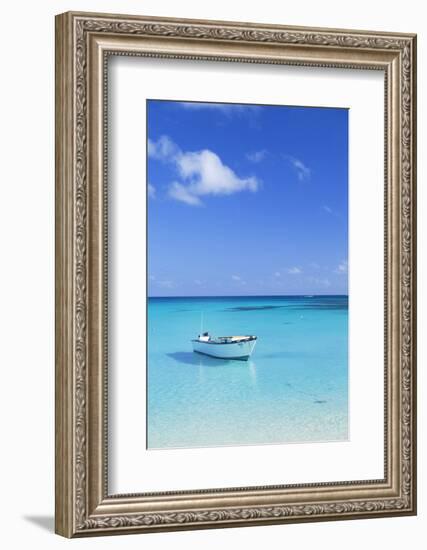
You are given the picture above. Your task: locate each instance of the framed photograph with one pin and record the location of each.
(235, 274)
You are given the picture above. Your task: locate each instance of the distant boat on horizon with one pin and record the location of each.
(225, 347)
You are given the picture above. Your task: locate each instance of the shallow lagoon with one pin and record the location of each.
(294, 388)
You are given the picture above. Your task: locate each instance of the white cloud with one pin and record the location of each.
(162, 149)
(202, 173)
(208, 175)
(294, 270)
(225, 108)
(277, 274)
(181, 193)
(162, 283)
(257, 156)
(303, 172)
(319, 282)
(342, 268)
(151, 191)
(330, 211)
(238, 279)
(166, 283)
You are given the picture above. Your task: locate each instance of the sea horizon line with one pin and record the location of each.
(306, 295)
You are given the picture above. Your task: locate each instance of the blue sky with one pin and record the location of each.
(246, 199)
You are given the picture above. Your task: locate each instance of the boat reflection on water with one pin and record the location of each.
(207, 363)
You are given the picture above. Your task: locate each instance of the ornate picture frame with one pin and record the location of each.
(84, 42)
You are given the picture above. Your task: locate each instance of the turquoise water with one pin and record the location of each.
(292, 389)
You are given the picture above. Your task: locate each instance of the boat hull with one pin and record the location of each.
(234, 350)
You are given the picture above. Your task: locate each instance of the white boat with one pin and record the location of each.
(225, 347)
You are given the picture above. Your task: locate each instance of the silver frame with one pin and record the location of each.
(83, 43)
